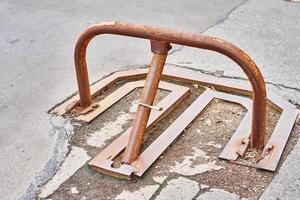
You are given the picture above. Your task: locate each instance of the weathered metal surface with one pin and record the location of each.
(182, 38)
(98, 87)
(284, 124)
(239, 141)
(169, 103)
(109, 100)
(143, 112)
(280, 134)
(276, 144)
(106, 167)
(281, 131)
(148, 157)
(160, 44)
(160, 47)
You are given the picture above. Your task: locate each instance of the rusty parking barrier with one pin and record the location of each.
(147, 114)
(160, 49)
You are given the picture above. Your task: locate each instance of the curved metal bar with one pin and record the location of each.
(182, 38)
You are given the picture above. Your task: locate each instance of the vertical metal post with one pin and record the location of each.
(82, 72)
(160, 50)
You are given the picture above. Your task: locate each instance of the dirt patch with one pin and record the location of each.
(196, 150)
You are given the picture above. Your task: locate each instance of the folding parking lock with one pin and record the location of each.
(250, 133)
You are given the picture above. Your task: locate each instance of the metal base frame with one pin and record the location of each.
(237, 145)
(147, 158)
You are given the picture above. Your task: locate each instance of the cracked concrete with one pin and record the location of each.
(216, 194)
(37, 62)
(143, 193)
(38, 71)
(160, 179)
(75, 159)
(267, 31)
(37, 66)
(62, 129)
(109, 130)
(88, 182)
(276, 49)
(213, 73)
(292, 94)
(180, 188)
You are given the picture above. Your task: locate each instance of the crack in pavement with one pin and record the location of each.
(231, 77)
(60, 151)
(62, 128)
(172, 52)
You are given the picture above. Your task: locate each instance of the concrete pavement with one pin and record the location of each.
(37, 71)
(37, 41)
(269, 32)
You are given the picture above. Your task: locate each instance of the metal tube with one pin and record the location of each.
(182, 38)
(142, 115)
(82, 74)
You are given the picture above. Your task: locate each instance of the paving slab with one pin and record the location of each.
(216, 194)
(179, 189)
(143, 193)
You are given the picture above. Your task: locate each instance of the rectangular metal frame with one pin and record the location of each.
(103, 162)
(239, 140)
